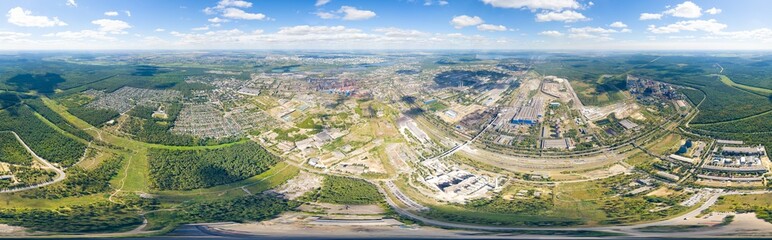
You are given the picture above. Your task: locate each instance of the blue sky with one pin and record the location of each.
(386, 24)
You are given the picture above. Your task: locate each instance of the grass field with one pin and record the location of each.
(589, 96)
(16, 201)
(763, 91)
(731, 203)
(669, 144)
(277, 175)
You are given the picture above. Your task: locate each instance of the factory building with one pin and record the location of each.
(530, 113)
(759, 150)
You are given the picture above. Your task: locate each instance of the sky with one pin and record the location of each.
(386, 24)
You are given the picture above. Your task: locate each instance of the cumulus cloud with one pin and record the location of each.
(463, 21)
(686, 9)
(618, 24)
(112, 26)
(352, 13)
(233, 3)
(535, 4)
(650, 16)
(128, 13)
(111, 13)
(711, 26)
(713, 11)
(236, 13)
(321, 2)
(232, 9)
(551, 33)
(326, 15)
(160, 30)
(564, 16)
(217, 20)
(491, 28)
(348, 13)
(71, 3)
(20, 17)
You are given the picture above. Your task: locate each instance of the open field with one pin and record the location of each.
(763, 91)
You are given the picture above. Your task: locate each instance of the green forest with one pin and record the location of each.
(80, 182)
(42, 139)
(345, 190)
(242, 209)
(96, 217)
(190, 169)
(39, 107)
(94, 116)
(11, 150)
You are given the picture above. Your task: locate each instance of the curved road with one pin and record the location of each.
(673, 221)
(60, 175)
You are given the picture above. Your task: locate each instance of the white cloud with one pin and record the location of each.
(400, 33)
(311, 30)
(348, 13)
(20, 17)
(160, 30)
(711, 26)
(713, 11)
(650, 16)
(236, 13)
(89, 35)
(233, 3)
(204, 28)
(491, 28)
(618, 24)
(231, 9)
(685, 10)
(71, 3)
(762, 34)
(112, 26)
(111, 13)
(217, 20)
(321, 2)
(535, 4)
(326, 15)
(564, 16)
(333, 37)
(551, 33)
(597, 33)
(128, 13)
(463, 21)
(12, 36)
(438, 2)
(351, 13)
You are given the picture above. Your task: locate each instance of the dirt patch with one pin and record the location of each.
(299, 185)
(339, 209)
(661, 192)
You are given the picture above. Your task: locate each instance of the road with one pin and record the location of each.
(60, 175)
(626, 229)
